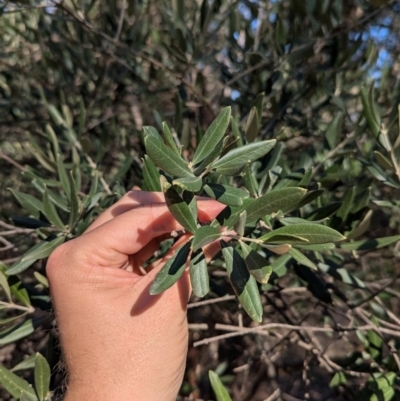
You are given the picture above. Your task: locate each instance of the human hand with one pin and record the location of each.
(119, 342)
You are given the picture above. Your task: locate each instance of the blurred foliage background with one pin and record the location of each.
(79, 79)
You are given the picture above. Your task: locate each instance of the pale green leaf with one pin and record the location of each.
(257, 266)
(16, 332)
(4, 285)
(151, 176)
(299, 257)
(219, 390)
(50, 211)
(204, 235)
(15, 385)
(368, 244)
(192, 184)
(42, 377)
(199, 274)
(28, 202)
(226, 194)
(169, 139)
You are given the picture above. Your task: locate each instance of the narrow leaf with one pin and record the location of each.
(75, 203)
(249, 180)
(226, 194)
(204, 235)
(166, 158)
(42, 377)
(28, 202)
(334, 130)
(257, 266)
(252, 125)
(383, 161)
(179, 209)
(192, 184)
(244, 285)
(369, 109)
(281, 199)
(62, 174)
(213, 135)
(314, 233)
(171, 271)
(169, 139)
(15, 333)
(289, 239)
(44, 250)
(216, 152)
(50, 211)
(4, 285)
(302, 259)
(240, 225)
(361, 228)
(15, 385)
(368, 244)
(28, 363)
(151, 176)
(235, 160)
(220, 391)
(199, 274)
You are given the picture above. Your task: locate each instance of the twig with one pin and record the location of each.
(11, 161)
(211, 301)
(237, 331)
(120, 21)
(198, 326)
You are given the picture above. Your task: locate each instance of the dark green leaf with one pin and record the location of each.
(302, 259)
(383, 161)
(235, 160)
(199, 274)
(324, 212)
(236, 132)
(314, 233)
(75, 203)
(257, 266)
(281, 199)
(244, 285)
(179, 209)
(212, 136)
(252, 125)
(42, 377)
(50, 211)
(309, 197)
(348, 200)
(217, 150)
(362, 227)
(226, 194)
(171, 271)
(342, 274)
(191, 201)
(166, 158)
(151, 176)
(368, 244)
(285, 239)
(220, 391)
(338, 379)
(28, 202)
(15, 333)
(291, 180)
(203, 236)
(192, 184)
(15, 385)
(169, 139)
(249, 180)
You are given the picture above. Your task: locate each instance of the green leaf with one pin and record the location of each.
(338, 379)
(151, 176)
(369, 108)
(257, 266)
(169, 139)
(149, 130)
(179, 209)
(362, 227)
(203, 236)
(284, 239)
(44, 249)
(302, 259)
(293, 179)
(314, 233)
(383, 161)
(368, 244)
(240, 225)
(42, 377)
(4, 285)
(28, 202)
(317, 247)
(28, 363)
(252, 125)
(235, 160)
(20, 293)
(171, 271)
(41, 279)
(236, 132)
(75, 203)
(340, 273)
(226, 194)
(62, 174)
(16, 332)
(15, 385)
(213, 135)
(220, 391)
(324, 212)
(192, 184)
(217, 150)
(165, 158)
(348, 201)
(334, 130)
(281, 199)
(309, 197)
(50, 211)
(243, 284)
(199, 274)
(249, 180)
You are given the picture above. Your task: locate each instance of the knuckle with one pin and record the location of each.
(56, 260)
